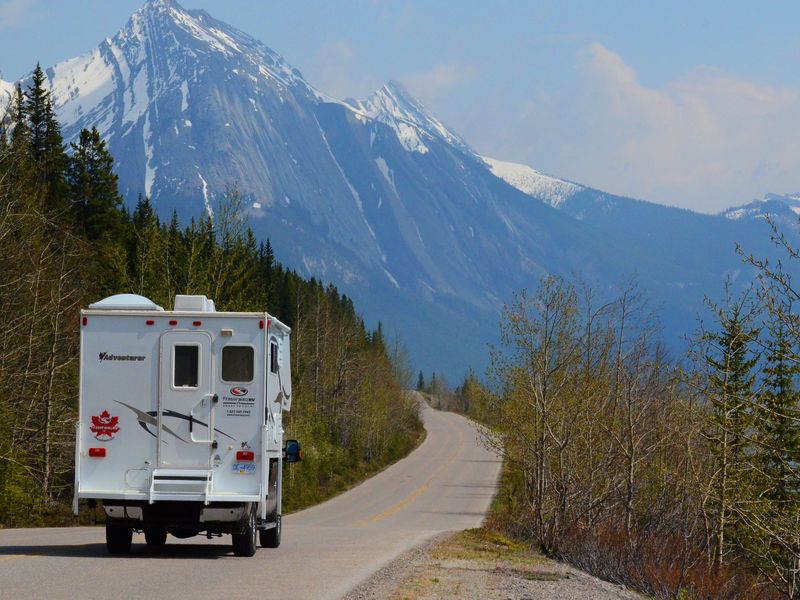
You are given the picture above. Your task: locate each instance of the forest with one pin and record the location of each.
(676, 476)
(66, 240)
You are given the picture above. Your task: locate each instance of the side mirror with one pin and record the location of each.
(292, 452)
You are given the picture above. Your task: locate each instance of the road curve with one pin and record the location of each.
(446, 484)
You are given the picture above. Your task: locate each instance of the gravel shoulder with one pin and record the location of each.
(478, 563)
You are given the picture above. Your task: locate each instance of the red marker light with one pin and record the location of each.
(97, 452)
(85, 321)
(261, 324)
(173, 322)
(150, 322)
(242, 455)
(197, 323)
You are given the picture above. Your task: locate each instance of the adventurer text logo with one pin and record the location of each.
(128, 357)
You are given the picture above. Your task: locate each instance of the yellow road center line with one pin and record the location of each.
(13, 556)
(417, 492)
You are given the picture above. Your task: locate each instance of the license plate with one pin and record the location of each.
(247, 468)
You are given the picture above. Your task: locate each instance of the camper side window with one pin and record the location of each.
(273, 356)
(238, 364)
(186, 365)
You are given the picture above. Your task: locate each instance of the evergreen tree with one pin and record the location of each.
(778, 419)
(35, 107)
(420, 382)
(93, 190)
(21, 171)
(45, 142)
(774, 546)
(730, 361)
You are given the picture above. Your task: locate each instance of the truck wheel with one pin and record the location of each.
(271, 538)
(118, 539)
(155, 536)
(244, 544)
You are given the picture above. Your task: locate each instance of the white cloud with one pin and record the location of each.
(703, 141)
(13, 12)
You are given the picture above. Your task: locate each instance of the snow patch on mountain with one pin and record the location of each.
(741, 212)
(771, 204)
(184, 95)
(150, 170)
(392, 279)
(6, 91)
(552, 190)
(386, 172)
(206, 202)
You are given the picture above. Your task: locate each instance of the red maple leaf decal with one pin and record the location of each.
(104, 426)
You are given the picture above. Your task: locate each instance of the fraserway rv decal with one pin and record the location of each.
(236, 405)
(150, 418)
(104, 426)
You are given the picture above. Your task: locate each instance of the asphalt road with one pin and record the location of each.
(446, 484)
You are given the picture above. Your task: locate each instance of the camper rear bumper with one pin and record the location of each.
(105, 495)
(171, 515)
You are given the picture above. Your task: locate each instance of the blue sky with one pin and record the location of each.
(684, 103)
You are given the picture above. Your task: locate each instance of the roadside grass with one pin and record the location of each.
(474, 563)
(483, 544)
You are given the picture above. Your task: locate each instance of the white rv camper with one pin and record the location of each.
(180, 421)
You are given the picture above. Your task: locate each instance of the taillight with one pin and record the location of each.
(97, 452)
(245, 455)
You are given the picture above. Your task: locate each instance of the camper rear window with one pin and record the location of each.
(238, 363)
(186, 365)
(273, 356)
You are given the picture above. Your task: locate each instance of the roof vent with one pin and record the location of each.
(125, 302)
(194, 304)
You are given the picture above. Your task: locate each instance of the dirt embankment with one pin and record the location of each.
(478, 563)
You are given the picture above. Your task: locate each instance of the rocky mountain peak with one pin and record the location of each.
(393, 105)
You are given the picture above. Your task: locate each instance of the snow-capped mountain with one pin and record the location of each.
(783, 209)
(376, 195)
(395, 107)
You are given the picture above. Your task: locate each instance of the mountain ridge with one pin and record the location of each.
(376, 195)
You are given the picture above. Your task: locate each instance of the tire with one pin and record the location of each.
(244, 544)
(118, 539)
(155, 536)
(271, 538)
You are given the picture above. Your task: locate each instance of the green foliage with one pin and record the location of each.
(777, 421)
(730, 360)
(617, 463)
(93, 191)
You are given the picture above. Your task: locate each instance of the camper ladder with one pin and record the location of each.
(181, 484)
